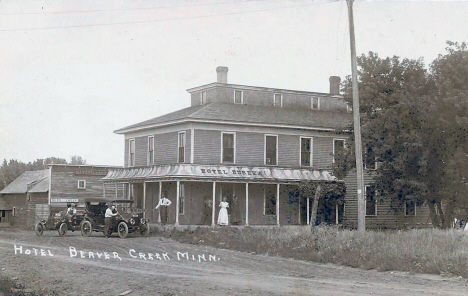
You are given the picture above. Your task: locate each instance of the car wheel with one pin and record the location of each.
(122, 229)
(63, 229)
(144, 229)
(86, 228)
(39, 229)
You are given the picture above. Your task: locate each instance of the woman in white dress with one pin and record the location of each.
(223, 218)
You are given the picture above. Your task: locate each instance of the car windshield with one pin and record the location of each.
(124, 207)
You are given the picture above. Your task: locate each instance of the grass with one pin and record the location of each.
(432, 251)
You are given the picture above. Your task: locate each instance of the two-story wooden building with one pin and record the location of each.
(249, 144)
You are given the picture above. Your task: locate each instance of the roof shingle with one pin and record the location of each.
(31, 178)
(255, 114)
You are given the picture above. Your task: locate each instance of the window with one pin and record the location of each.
(338, 147)
(131, 160)
(306, 151)
(181, 199)
(410, 208)
(150, 150)
(81, 184)
(228, 145)
(371, 204)
(203, 98)
(269, 201)
(278, 100)
(271, 151)
(238, 97)
(369, 158)
(13, 213)
(181, 156)
(315, 103)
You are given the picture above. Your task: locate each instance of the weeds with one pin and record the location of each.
(431, 251)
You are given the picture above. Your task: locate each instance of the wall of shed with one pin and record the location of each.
(18, 201)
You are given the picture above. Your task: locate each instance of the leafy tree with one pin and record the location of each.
(77, 160)
(414, 122)
(318, 191)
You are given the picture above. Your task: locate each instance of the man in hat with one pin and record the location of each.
(110, 212)
(71, 212)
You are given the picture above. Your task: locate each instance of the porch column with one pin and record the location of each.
(177, 204)
(336, 213)
(308, 210)
(144, 199)
(278, 204)
(116, 191)
(213, 210)
(246, 204)
(160, 194)
(104, 190)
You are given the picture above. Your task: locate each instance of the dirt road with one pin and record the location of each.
(77, 265)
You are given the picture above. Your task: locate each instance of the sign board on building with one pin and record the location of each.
(62, 200)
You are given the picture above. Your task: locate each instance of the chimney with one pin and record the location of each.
(222, 74)
(335, 85)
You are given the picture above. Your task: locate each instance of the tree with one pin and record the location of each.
(318, 191)
(77, 160)
(414, 122)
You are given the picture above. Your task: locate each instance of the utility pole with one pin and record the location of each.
(357, 125)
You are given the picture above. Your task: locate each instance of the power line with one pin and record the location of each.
(129, 9)
(167, 19)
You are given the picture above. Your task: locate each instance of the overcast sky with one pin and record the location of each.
(72, 72)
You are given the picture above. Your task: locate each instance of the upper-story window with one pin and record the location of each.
(131, 159)
(150, 150)
(315, 103)
(203, 98)
(371, 203)
(278, 100)
(306, 151)
(228, 146)
(238, 97)
(181, 149)
(338, 146)
(81, 184)
(271, 150)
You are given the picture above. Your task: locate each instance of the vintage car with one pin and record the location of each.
(60, 221)
(127, 220)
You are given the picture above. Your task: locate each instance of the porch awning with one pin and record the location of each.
(210, 172)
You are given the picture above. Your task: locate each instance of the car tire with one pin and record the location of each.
(62, 231)
(86, 228)
(144, 229)
(122, 229)
(39, 229)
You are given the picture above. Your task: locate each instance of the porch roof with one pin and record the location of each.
(217, 173)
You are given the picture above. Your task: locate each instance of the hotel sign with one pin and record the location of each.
(232, 172)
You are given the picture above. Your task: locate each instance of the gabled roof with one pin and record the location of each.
(249, 114)
(35, 180)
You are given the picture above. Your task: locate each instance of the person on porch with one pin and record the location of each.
(163, 203)
(223, 218)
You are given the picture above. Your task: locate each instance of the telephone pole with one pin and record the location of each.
(357, 125)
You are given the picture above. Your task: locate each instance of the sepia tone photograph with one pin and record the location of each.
(238, 147)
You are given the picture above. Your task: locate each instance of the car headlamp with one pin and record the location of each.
(132, 221)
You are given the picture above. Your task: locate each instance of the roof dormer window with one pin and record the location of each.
(278, 100)
(238, 97)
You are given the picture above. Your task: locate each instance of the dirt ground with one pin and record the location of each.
(77, 265)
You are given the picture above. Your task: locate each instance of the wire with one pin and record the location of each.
(160, 20)
(125, 9)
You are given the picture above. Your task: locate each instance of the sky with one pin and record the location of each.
(73, 72)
